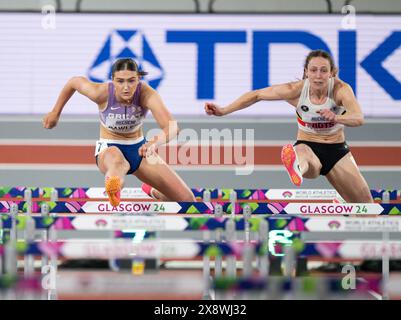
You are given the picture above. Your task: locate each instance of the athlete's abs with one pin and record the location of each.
(337, 137)
(106, 134)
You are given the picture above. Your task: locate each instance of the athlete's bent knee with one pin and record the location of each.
(113, 155)
(187, 196)
(366, 197)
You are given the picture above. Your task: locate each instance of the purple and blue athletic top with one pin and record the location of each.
(119, 118)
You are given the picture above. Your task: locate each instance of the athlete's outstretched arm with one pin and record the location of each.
(97, 92)
(152, 100)
(354, 116)
(286, 91)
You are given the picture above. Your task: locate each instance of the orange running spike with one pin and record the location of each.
(113, 189)
(290, 161)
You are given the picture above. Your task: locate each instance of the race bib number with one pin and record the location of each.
(100, 146)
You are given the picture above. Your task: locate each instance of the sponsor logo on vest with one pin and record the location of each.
(304, 108)
(320, 125)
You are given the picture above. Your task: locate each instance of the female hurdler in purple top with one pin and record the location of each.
(122, 149)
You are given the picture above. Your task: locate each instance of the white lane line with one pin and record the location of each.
(93, 167)
(47, 142)
(375, 294)
(223, 142)
(48, 167)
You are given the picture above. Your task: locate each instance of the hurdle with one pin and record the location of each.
(188, 208)
(231, 215)
(223, 194)
(187, 248)
(302, 288)
(121, 249)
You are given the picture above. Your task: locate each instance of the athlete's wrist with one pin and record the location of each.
(225, 110)
(56, 111)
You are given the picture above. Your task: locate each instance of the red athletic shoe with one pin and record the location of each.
(113, 189)
(290, 161)
(148, 190)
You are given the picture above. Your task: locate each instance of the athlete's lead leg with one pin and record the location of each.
(114, 166)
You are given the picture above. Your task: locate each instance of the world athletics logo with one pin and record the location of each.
(126, 44)
(334, 225)
(287, 194)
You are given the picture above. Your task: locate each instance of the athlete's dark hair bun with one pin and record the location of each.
(126, 64)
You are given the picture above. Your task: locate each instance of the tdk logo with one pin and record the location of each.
(132, 43)
(126, 44)
(262, 40)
